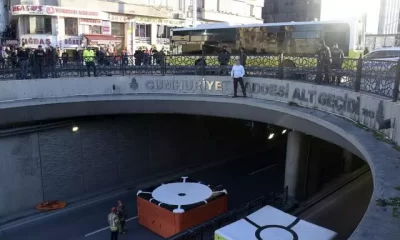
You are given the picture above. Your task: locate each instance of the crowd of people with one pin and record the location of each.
(117, 220)
(43, 61)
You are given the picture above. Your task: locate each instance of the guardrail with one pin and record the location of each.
(206, 230)
(374, 76)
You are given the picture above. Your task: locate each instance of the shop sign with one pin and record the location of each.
(118, 18)
(28, 9)
(34, 41)
(106, 27)
(11, 42)
(170, 22)
(92, 22)
(72, 42)
(53, 11)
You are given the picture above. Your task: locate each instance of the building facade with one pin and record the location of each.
(389, 19)
(139, 24)
(291, 10)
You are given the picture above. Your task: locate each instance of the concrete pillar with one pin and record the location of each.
(348, 161)
(296, 164)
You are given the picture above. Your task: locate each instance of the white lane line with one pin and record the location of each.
(67, 209)
(263, 169)
(105, 228)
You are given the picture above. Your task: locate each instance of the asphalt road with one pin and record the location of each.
(343, 210)
(245, 179)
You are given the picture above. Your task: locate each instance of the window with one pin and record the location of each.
(163, 31)
(118, 29)
(94, 29)
(383, 54)
(39, 25)
(143, 30)
(71, 26)
(252, 14)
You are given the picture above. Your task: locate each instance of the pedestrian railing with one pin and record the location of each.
(206, 230)
(374, 76)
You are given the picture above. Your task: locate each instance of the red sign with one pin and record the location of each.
(37, 9)
(50, 10)
(36, 41)
(90, 21)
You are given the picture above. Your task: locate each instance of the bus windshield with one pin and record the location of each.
(287, 38)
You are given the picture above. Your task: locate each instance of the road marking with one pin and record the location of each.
(61, 211)
(262, 169)
(105, 228)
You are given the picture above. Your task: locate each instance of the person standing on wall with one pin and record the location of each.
(88, 57)
(237, 74)
(113, 221)
(337, 61)
(122, 215)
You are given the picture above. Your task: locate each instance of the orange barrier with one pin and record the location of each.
(51, 205)
(167, 223)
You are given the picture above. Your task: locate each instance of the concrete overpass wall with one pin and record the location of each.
(59, 164)
(313, 109)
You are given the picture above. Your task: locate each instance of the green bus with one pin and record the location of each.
(291, 38)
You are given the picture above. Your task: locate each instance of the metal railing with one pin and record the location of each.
(205, 231)
(374, 76)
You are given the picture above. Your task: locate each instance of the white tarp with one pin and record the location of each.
(272, 224)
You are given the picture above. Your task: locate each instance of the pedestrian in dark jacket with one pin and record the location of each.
(23, 60)
(224, 57)
(325, 60)
(122, 215)
(51, 60)
(243, 57)
(40, 57)
(337, 61)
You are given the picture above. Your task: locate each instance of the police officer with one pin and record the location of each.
(39, 55)
(113, 221)
(122, 215)
(51, 58)
(337, 61)
(325, 59)
(223, 58)
(23, 58)
(88, 57)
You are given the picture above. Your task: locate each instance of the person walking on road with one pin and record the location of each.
(237, 74)
(113, 222)
(122, 215)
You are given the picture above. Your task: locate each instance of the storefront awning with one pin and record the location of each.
(102, 39)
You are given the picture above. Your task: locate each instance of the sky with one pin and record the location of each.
(345, 9)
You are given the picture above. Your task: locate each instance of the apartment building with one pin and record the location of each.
(133, 24)
(291, 10)
(389, 19)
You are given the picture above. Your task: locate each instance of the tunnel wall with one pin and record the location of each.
(320, 116)
(59, 164)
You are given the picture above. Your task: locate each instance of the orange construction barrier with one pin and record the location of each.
(51, 205)
(178, 205)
